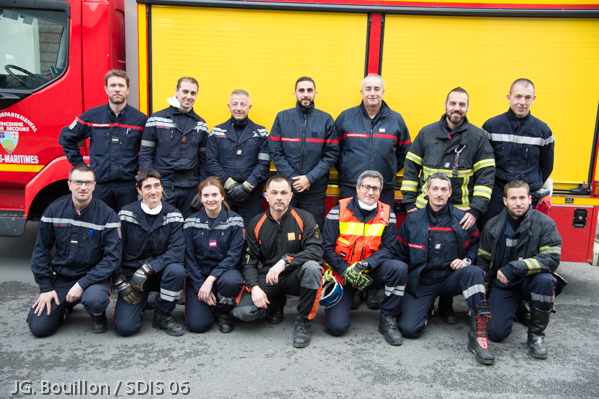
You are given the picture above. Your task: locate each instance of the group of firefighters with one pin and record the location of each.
(199, 228)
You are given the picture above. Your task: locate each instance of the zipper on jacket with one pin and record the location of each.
(370, 145)
(303, 144)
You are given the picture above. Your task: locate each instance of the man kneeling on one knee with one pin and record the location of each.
(440, 254)
(521, 249)
(153, 253)
(283, 257)
(359, 234)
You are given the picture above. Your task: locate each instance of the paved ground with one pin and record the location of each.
(257, 360)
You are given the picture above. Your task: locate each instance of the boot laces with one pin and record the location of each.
(482, 324)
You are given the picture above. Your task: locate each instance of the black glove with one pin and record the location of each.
(239, 193)
(355, 276)
(196, 203)
(126, 293)
(140, 277)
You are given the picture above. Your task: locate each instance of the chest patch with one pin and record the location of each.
(290, 236)
(212, 243)
(447, 164)
(382, 130)
(437, 246)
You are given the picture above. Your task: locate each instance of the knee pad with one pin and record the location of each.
(310, 275)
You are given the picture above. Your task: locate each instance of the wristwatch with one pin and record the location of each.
(468, 261)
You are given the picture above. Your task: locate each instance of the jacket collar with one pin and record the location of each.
(382, 112)
(355, 209)
(175, 111)
(308, 110)
(462, 128)
(220, 219)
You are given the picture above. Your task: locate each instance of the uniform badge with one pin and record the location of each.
(290, 236)
(243, 234)
(212, 243)
(118, 231)
(437, 246)
(72, 125)
(382, 130)
(317, 234)
(447, 164)
(239, 152)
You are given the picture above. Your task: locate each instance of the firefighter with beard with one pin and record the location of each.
(460, 150)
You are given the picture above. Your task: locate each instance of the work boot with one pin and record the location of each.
(372, 299)
(164, 321)
(536, 332)
(99, 323)
(446, 310)
(225, 325)
(478, 342)
(355, 302)
(388, 327)
(302, 332)
(276, 313)
(523, 314)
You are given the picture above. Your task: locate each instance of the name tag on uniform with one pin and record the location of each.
(447, 164)
(382, 130)
(239, 152)
(115, 140)
(291, 236)
(212, 243)
(438, 246)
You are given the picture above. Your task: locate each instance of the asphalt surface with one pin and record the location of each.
(257, 359)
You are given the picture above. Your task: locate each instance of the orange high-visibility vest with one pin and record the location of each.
(359, 240)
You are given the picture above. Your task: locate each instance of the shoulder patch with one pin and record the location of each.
(72, 125)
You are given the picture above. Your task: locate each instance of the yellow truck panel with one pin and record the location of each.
(261, 51)
(426, 56)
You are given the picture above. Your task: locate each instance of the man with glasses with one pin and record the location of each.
(358, 238)
(114, 130)
(86, 235)
(460, 150)
(441, 254)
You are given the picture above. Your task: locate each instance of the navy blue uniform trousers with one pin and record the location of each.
(94, 300)
(539, 289)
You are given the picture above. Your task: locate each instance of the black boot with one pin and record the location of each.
(164, 321)
(523, 314)
(388, 327)
(446, 310)
(99, 323)
(478, 342)
(276, 313)
(372, 299)
(225, 325)
(302, 332)
(536, 332)
(355, 302)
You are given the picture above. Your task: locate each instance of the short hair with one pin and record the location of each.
(81, 168)
(524, 82)
(145, 175)
(440, 176)
(370, 173)
(214, 181)
(516, 184)
(305, 79)
(240, 92)
(373, 75)
(187, 79)
(458, 90)
(119, 73)
(277, 177)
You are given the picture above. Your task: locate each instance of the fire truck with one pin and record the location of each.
(56, 53)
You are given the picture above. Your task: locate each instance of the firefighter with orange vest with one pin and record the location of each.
(358, 238)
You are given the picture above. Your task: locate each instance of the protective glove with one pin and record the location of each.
(196, 203)
(355, 276)
(140, 277)
(239, 193)
(126, 293)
